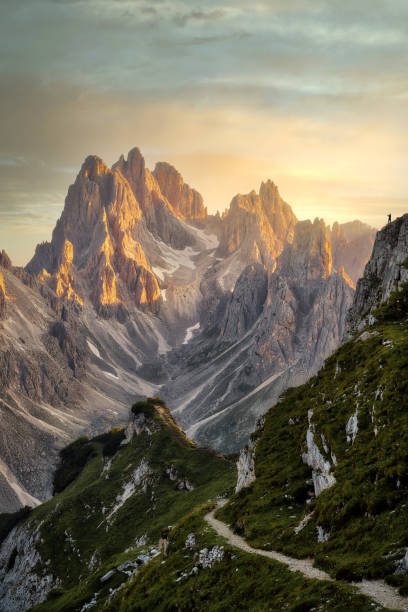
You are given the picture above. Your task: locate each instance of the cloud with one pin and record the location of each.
(199, 16)
(310, 94)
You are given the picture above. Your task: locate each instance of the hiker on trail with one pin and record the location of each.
(163, 543)
(389, 218)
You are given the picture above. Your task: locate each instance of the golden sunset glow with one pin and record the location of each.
(310, 95)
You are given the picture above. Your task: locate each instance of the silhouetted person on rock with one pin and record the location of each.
(389, 218)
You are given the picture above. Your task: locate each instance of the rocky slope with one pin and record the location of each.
(140, 289)
(386, 270)
(62, 373)
(126, 531)
(275, 330)
(116, 493)
(329, 460)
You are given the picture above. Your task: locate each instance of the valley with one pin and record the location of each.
(141, 293)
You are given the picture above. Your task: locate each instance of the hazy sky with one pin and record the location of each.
(310, 93)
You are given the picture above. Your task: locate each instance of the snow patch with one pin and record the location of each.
(94, 349)
(111, 375)
(190, 332)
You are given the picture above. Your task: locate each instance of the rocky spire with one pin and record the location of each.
(309, 256)
(257, 224)
(186, 202)
(5, 261)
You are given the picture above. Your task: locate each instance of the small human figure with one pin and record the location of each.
(389, 218)
(163, 543)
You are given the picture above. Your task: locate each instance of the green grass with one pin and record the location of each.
(241, 581)
(76, 533)
(366, 511)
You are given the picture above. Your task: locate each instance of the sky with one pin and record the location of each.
(309, 93)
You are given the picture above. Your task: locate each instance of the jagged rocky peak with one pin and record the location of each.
(279, 213)
(5, 261)
(99, 238)
(309, 255)
(186, 202)
(385, 272)
(160, 214)
(258, 224)
(138, 176)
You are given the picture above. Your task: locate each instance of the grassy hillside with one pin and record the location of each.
(239, 581)
(115, 500)
(363, 517)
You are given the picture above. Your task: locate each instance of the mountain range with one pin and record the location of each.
(141, 292)
(321, 487)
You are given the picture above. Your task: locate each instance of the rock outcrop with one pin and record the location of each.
(385, 272)
(3, 305)
(246, 467)
(322, 475)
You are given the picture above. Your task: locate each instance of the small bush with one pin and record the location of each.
(349, 574)
(145, 408)
(111, 441)
(73, 460)
(55, 593)
(156, 400)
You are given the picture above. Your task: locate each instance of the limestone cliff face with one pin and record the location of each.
(98, 240)
(246, 302)
(385, 272)
(63, 281)
(258, 225)
(2, 297)
(352, 244)
(186, 202)
(277, 328)
(159, 215)
(310, 253)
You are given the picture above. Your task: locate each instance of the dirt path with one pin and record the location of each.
(382, 593)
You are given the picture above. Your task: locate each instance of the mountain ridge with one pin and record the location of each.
(139, 293)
